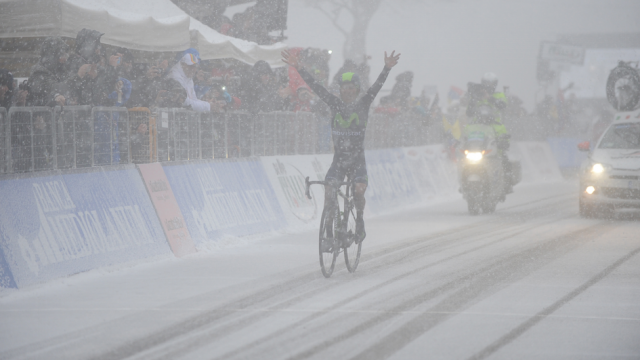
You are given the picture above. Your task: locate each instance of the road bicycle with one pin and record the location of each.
(338, 227)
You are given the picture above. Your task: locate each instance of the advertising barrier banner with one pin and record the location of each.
(53, 225)
(565, 151)
(391, 182)
(397, 177)
(434, 173)
(537, 160)
(223, 197)
(287, 175)
(167, 209)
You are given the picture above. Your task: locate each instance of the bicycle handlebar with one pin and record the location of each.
(325, 183)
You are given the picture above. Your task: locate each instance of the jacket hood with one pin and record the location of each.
(262, 68)
(87, 41)
(181, 54)
(6, 79)
(50, 52)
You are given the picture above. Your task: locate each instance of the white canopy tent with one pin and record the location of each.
(147, 25)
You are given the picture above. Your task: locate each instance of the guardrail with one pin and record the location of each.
(45, 138)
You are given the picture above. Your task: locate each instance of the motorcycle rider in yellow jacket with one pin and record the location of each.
(485, 94)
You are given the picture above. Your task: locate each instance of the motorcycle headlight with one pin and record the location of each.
(473, 155)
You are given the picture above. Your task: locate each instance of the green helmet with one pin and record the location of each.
(350, 78)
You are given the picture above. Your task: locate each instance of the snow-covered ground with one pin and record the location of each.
(532, 280)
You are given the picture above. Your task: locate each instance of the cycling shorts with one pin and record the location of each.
(347, 164)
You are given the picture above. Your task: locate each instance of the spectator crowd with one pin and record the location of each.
(88, 73)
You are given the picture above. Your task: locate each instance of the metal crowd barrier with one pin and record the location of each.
(47, 138)
(143, 135)
(44, 138)
(4, 140)
(110, 136)
(31, 136)
(74, 137)
(178, 135)
(265, 134)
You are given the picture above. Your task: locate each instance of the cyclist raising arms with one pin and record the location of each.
(348, 129)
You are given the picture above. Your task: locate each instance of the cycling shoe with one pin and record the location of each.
(360, 233)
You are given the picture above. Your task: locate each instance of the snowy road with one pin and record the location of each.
(533, 281)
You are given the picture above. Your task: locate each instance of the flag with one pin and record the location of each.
(455, 93)
(454, 129)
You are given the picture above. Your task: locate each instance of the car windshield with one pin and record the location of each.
(621, 136)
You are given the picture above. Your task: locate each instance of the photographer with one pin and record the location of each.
(91, 77)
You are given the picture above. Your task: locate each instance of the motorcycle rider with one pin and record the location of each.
(484, 94)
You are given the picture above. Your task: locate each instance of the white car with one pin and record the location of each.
(610, 177)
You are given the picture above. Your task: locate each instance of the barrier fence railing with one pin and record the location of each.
(4, 140)
(45, 138)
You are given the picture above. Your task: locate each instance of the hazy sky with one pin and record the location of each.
(452, 42)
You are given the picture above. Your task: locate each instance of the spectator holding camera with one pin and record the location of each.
(91, 78)
(220, 99)
(148, 89)
(260, 92)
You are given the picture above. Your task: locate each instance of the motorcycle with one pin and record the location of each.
(484, 172)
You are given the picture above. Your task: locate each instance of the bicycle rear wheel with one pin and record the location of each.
(327, 244)
(351, 248)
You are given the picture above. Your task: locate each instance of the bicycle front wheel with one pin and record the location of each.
(328, 246)
(351, 248)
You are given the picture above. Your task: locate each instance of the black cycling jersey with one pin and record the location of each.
(349, 120)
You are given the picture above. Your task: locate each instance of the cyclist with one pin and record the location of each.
(348, 127)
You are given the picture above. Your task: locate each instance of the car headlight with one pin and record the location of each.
(473, 155)
(599, 168)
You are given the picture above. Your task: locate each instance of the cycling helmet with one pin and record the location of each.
(489, 81)
(350, 78)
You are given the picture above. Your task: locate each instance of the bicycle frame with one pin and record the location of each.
(347, 195)
(342, 223)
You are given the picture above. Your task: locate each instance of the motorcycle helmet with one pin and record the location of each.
(489, 81)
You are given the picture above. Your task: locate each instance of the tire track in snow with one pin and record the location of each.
(68, 344)
(205, 339)
(474, 233)
(531, 322)
(482, 284)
